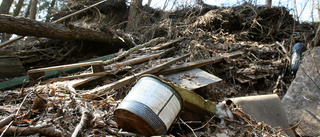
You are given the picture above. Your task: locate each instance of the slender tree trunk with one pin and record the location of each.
(4, 9)
(174, 3)
(149, 2)
(5, 6)
(28, 9)
(312, 7)
(165, 4)
(33, 9)
(134, 19)
(295, 10)
(53, 2)
(16, 12)
(318, 7)
(268, 3)
(18, 8)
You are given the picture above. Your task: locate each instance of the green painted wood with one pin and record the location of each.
(48, 74)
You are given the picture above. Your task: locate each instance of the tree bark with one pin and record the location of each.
(33, 9)
(27, 27)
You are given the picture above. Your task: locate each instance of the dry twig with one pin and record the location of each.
(188, 127)
(156, 40)
(5, 130)
(85, 119)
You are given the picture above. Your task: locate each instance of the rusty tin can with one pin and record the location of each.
(149, 108)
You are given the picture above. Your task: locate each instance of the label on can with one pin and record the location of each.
(158, 97)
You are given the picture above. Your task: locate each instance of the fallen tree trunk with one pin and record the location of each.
(27, 27)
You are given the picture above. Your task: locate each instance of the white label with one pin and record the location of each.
(170, 111)
(156, 97)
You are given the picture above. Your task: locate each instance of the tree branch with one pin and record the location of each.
(85, 119)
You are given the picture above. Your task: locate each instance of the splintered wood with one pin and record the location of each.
(35, 74)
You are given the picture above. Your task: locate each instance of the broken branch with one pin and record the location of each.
(138, 60)
(85, 119)
(161, 46)
(156, 40)
(7, 120)
(199, 63)
(76, 76)
(6, 129)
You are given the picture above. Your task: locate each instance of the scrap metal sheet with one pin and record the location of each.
(193, 79)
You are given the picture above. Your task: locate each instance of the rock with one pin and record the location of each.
(302, 99)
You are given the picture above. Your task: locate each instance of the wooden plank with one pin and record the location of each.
(122, 82)
(190, 65)
(193, 79)
(76, 76)
(86, 80)
(52, 73)
(97, 68)
(36, 76)
(66, 66)
(199, 63)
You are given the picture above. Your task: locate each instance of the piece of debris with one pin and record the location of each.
(264, 108)
(193, 79)
(297, 50)
(36, 74)
(301, 102)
